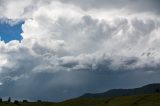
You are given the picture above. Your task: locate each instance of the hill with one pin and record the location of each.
(147, 89)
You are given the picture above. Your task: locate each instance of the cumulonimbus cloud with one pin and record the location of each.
(60, 36)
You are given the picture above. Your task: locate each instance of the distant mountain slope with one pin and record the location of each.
(139, 100)
(147, 89)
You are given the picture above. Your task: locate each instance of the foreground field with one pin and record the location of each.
(140, 100)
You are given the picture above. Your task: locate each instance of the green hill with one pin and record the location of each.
(139, 100)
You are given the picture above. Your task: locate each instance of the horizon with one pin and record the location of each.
(55, 50)
(28, 100)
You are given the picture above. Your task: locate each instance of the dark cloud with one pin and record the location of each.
(132, 5)
(64, 85)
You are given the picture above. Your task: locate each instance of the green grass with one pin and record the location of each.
(139, 100)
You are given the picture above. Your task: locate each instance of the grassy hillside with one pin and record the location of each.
(140, 100)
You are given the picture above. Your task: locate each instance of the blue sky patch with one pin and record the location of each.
(10, 32)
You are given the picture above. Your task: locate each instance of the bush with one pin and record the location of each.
(16, 102)
(39, 101)
(25, 101)
(1, 100)
(157, 90)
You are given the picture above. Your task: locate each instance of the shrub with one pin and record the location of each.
(1, 100)
(16, 102)
(25, 101)
(157, 90)
(39, 101)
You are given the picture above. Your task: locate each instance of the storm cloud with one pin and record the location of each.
(71, 47)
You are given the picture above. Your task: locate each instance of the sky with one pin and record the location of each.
(60, 49)
(10, 32)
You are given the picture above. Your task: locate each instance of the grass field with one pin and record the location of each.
(140, 100)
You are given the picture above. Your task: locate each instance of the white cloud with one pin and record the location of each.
(56, 30)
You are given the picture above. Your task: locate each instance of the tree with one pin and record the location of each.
(157, 90)
(9, 99)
